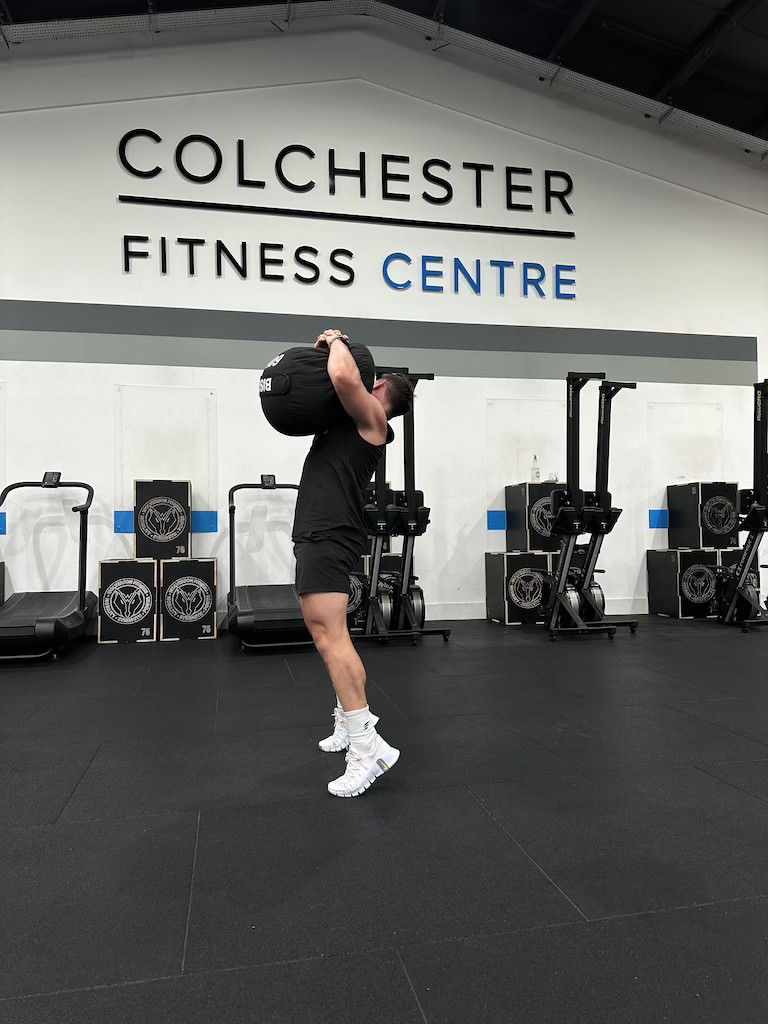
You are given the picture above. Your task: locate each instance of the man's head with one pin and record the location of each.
(395, 392)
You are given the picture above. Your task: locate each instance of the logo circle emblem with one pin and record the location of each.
(526, 588)
(541, 517)
(127, 601)
(188, 599)
(162, 519)
(719, 515)
(698, 584)
(355, 594)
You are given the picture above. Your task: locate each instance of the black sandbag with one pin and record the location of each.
(297, 395)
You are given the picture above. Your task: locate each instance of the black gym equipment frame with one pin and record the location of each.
(576, 604)
(397, 614)
(264, 615)
(35, 625)
(739, 603)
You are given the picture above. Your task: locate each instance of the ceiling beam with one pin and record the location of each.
(722, 27)
(580, 15)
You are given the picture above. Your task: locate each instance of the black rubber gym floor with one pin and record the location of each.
(575, 832)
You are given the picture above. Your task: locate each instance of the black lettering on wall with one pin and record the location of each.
(345, 268)
(387, 176)
(241, 178)
(478, 169)
(435, 179)
(334, 172)
(514, 187)
(280, 174)
(201, 179)
(266, 261)
(550, 192)
(122, 153)
(314, 270)
(192, 244)
(133, 254)
(222, 252)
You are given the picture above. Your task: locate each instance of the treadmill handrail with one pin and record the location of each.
(62, 483)
(243, 487)
(82, 509)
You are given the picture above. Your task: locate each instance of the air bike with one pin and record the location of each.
(576, 603)
(738, 599)
(41, 624)
(395, 602)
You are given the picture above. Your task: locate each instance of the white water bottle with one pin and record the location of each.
(535, 471)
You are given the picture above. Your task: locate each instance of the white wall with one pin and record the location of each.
(669, 237)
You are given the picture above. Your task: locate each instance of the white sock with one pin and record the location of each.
(361, 725)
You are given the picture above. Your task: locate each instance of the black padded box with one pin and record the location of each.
(162, 518)
(682, 584)
(702, 515)
(516, 585)
(529, 517)
(188, 599)
(127, 601)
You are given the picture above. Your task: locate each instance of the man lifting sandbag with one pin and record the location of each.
(329, 532)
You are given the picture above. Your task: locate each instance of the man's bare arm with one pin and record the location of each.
(367, 412)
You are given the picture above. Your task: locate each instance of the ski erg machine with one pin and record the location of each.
(395, 602)
(38, 624)
(576, 601)
(739, 599)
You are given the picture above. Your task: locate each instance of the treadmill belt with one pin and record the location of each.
(278, 601)
(25, 609)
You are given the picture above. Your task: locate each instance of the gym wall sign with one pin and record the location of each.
(510, 193)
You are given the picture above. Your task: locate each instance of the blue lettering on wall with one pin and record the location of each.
(524, 280)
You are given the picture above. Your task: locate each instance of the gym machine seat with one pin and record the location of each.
(38, 624)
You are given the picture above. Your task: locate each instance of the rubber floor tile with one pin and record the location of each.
(641, 842)
(37, 782)
(704, 965)
(151, 778)
(335, 990)
(121, 718)
(96, 904)
(332, 876)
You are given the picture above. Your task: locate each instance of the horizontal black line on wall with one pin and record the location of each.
(358, 218)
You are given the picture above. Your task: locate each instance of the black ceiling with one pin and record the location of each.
(706, 57)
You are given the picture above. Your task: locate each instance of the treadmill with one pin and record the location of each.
(264, 615)
(40, 624)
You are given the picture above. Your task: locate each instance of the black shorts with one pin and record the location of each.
(323, 566)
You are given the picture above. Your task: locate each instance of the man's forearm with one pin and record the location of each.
(341, 362)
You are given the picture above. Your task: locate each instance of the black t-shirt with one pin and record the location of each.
(336, 472)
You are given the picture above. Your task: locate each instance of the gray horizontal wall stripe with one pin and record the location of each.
(80, 332)
(148, 351)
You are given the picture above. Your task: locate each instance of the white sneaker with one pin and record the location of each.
(362, 770)
(339, 740)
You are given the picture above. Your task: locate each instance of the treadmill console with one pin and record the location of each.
(268, 483)
(51, 479)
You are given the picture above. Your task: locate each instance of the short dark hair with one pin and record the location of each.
(399, 393)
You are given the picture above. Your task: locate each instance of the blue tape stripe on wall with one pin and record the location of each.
(205, 522)
(202, 522)
(123, 522)
(658, 518)
(2, 522)
(497, 519)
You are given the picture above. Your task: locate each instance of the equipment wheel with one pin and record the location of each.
(416, 595)
(387, 607)
(597, 595)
